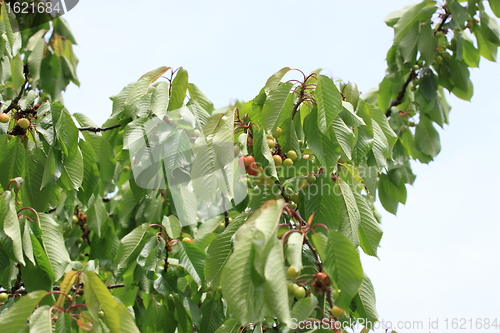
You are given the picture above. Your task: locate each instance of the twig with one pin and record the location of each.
(98, 129)
(26, 72)
(401, 94)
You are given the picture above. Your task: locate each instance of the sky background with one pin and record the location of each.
(440, 257)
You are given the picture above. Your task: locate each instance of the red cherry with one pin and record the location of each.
(248, 160)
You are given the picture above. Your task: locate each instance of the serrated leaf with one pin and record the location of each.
(278, 106)
(9, 224)
(178, 89)
(192, 258)
(343, 265)
(294, 250)
(427, 138)
(329, 103)
(53, 243)
(275, 79)
(369, 232)
(15, 318)
(349, 212)
(129, 247)
(172, 226)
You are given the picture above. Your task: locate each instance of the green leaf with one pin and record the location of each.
(294, 250)
(303, 308)
(427, 137)
(178, 89)
(343, 265)
(370, 232)
(278, 106)
(219, 250)
(129, 248)
(41, 320)
(73, 170)
(97, 297)
(240, 281)
(408, 44)
(192, 258)
(273, 82)
(196, 96)
(329, 103)
(275, 287)
(212, 315)
(13, 162)
(9, 224)
(15, 318)
(495, 7)
(53, 242)
(407, 19)
(390, 194)
(344, 136)
(365, 302)
(323, 200)
(172, 225)
(427, 43)
(96, 216)
(349, 212)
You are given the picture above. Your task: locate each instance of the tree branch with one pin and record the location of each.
(98, 129)
(401, 94)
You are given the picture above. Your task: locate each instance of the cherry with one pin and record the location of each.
(23, 123)
(277, 160)
(248, 160)
(289, 192)
(3, 297)
(287, 162)
(299, 292)
(4, 118)
(252, 169)
(292, 155)
(337, 312)
(270, 143)
(311, 178)
(292, 272)
(188, 240)
(277, 132)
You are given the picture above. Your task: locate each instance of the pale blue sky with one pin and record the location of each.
(440, 257)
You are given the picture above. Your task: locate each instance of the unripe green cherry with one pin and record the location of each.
(311, 178)
(270, 143)
(404, 128)
(287, 162)
(277, 132)
(290, 286)
(292, 272)
(74, 219)
(288, 192)
(3, 297)
(299, 292)
(23, 123)
(292, 154)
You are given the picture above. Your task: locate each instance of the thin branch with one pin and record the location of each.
(98, 129)
(401, 94)
(26, 72)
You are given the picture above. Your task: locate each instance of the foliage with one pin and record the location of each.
(141, 225)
